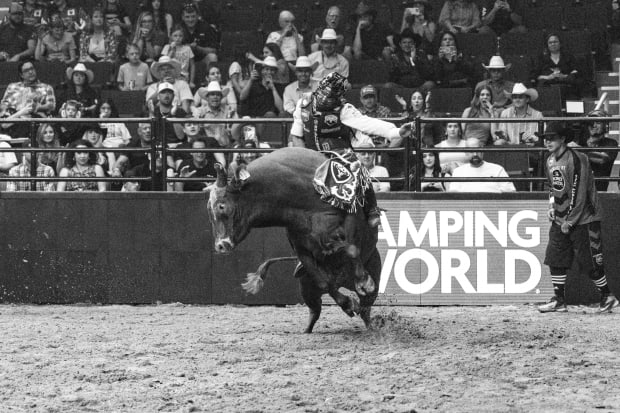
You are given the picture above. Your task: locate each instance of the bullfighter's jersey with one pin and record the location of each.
(331, 130)
(572, 193)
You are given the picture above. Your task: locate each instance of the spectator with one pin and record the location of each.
(370, 103)
(478, 168)
(215, 109)
(518, 133)
(557, 67)
(409, 67)
(66, 12)
(460, 16)
(98, 43)
(7, 161)
(250, 139)
(201, 37)
(370, 37)
(281, 78)
(149, 40)
(17, 40)
(162, 20)
(229, 99)
(481, 108)
(29, 97)
(117, 135)
(451, 68)
(430, 168)
(135, 74)
(56, 46)
(260, 94)
(418, 107)
(182, 53)
(501, 16)
(23, 170)
(116, 16)
(207, 12)
(417, 19)
(601, 161)
(34, 15)
(453, 139)
(81, 165)
(327, 60)
(95, 134)
(333, 20)
(288, 38)
(303, 84)
(143, 170)
(128, 160)
(48, 137)
(70, 131)
(192, 132)
(197, 167)
(167, 70)
(238, 78)
(375, 171)
(165, 108)
(78, 89)
(496, 82)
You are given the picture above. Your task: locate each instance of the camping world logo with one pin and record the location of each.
(557, 180)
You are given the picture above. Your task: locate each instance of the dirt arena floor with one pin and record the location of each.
(178, 358)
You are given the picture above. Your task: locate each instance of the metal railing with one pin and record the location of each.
(159, 145)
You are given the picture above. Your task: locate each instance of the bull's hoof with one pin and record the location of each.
(365, 287)
(353, 308)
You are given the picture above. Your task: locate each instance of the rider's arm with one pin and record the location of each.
(297, 130)
(354, 119)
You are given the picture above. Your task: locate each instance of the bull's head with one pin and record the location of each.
(225, 213)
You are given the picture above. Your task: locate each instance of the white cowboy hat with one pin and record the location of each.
(520, 89)
(329, 34)
(303, 63)
(80, 68)
(497, 62)
(165, 60)
(269, 61)
(235, 67)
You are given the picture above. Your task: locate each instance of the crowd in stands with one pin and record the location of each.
(173, 57)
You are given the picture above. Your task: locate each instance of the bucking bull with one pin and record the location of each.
(276, 190)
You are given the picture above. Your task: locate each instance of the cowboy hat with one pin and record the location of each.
(212, 87)
(80, 68)
(269, 61)
(497, 62)
(556, 129)
(328, 35)
(165, 60)
(303, 63)
(520, 89)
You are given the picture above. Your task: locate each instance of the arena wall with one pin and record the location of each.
(141, 248)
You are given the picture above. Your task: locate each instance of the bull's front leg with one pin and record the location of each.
(364, 284)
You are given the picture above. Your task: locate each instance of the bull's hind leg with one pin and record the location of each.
(311, 294)
(373, 266)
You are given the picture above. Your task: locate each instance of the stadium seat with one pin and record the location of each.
(8, 73)
(128, 103)
(368, 71)
(597, 15)
(387, 97)
(236, 20)
(520, 68)
(450, 101)
(104, 72)
(236, 44)
(543, 17)
(530, 43)
(479, 45)
(549, 101)
(53, 73)
(574, 17)
(576, 42)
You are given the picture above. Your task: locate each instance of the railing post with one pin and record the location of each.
(164, 165)
(541, 155)
(33, 157)
(418, 153)
(284, 135)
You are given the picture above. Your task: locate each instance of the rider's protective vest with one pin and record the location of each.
(323, 130)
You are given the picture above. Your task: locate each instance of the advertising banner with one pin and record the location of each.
(467, 252)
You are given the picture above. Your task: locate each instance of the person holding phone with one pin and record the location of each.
(460, 16)
(501, 16)
(451, 68)
(417, 19)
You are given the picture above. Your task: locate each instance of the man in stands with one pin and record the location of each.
(168, 70)
(496, 82)
(501, 16)
(333, 20)
(215, 109)
(202, 37)
(370, 37)
(327, 60)
(518, 133)
(479, 168)
(129, 160)
(370, 103)
(164, 108)
(30, 97)
(304, 84)
(17, 40)
(575, 214)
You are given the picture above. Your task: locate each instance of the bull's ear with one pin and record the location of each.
(241, 174)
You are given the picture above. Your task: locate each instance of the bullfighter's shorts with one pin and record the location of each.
(582, 243)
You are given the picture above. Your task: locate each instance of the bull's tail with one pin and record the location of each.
(255, 280)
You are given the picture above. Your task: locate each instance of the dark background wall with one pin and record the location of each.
(148, 247)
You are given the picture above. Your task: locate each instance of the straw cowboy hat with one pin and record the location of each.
(212, 88)
(165, 60)
(269, 61)
(80, 68)
(328, 34)
(520, 89)
(497, 62)
(304, 63)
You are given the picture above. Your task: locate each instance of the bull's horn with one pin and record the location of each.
(222, 178)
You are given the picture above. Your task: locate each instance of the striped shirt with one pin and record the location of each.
(23, 170)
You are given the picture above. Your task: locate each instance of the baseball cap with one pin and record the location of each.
(368, 90)
(556, 129)
(165, 86)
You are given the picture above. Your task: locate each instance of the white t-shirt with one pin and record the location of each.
(288, 46)
(486, 170)
(450, 157)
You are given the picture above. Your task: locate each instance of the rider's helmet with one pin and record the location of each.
(330, 91)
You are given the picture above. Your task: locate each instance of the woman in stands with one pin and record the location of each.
(417, 19)
(453, 139)
(148, 38)
(78, 89)
(481, 108)
(418, 107)
(163, 19)
(460, 16)
(116, 16)
(281, 79)
(451, 67)
(409, 67)
(98, 43)
(48, 137)
(430, 168)
(557, 67)
(81, 165)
